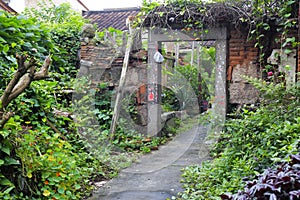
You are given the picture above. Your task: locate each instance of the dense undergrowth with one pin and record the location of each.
(42, 156)
(254, 139)
(57, 142)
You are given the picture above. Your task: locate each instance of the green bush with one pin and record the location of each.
(42, 155)
(19, 36)
(253, 140)
(65, 28)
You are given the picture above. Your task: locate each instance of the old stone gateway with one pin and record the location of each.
(235, 56)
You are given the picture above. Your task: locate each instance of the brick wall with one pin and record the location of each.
(243, 60)
(100, 58)
(106, 65)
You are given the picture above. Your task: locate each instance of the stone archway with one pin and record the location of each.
(155, 38)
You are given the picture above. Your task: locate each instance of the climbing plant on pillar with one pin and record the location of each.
(274, 21)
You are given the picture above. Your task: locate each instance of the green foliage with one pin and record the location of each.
(266, 28)
(21, 36)
(169, 100)
(52, 166)
(7, 160)
(190, 81)
(65, 25)
(42, 155)
(190, 73)
(116, 34)
(53, 162)
(124, 138)
(149, 5)
(253, 140)
(207, 71)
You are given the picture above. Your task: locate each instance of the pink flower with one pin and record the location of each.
(270, 73)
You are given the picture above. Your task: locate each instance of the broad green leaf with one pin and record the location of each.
(288, 51)
(2, 40)
(5, 150)
(5, 181)
(1, 162)
(11, 29)
(29, 34)
(5, 48)
(12, 59)
(62, 69)
(61, 190)
(8, 190)
(10, 161)
(13, 44)
(77, 186)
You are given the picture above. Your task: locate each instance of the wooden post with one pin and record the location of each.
(124, 42)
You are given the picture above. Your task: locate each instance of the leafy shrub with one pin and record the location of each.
(19, 36)
(42, 155)
(169, 100)
(253, 141)
(65, 25)
(280, 183)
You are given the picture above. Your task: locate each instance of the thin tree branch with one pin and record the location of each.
(43, 73)
(22, 69)
(22, 79)
(55, 129)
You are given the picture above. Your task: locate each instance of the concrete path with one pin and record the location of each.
(156, 176)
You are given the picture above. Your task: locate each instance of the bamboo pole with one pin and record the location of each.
(121, 86)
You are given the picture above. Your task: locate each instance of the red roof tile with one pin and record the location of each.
(115, 18)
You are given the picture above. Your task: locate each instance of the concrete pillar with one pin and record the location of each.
(192, 53)
(288, 66)
(177, 54)
(220, 102)
(153, 90)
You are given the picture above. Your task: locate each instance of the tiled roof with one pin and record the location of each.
(115, 18)
(4, 6)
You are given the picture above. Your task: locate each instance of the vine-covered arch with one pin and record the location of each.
(248, 26)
